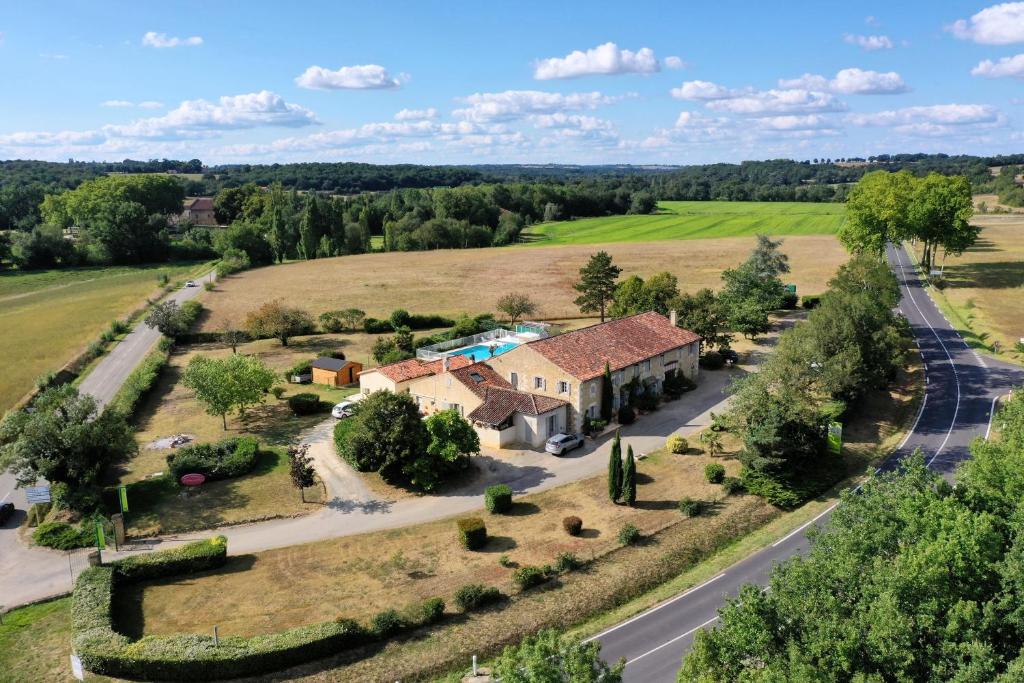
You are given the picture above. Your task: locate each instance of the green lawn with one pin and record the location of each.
(696, 220)
(47, 317)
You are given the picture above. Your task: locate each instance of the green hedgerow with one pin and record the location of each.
(387, 623)
(431, 611)
(498, 498)
(529, 576)
(474, 596)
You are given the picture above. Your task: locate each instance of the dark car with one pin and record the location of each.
(6, 510)
(730, 356)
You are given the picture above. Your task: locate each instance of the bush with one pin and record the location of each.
(63, 536)
(732, 485)
(431, 611)
(141, 379)
(278, 392)
(330, 322)
(677, 444)
(572, 525)
(472, 533)
(209, 286)
(375, 326)
(691, 507)
(628, 534)
(712, 360)
(529, 576)
(714, 473)
(474, 596)
(305, 404)
(498, 499)
(119, 326)
(626, 415)
(789, 300)
(810, 301)
(387, 623)
(223, 460)
(777, 492)
(197, 556)
(647, 402)
(937, 281)
(506, 561)
(567, 562)
(302, 368)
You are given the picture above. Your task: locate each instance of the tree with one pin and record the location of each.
(452, 441)
(549, 658)
(615, 469)
(607, 395)
(749, 318)
(597, 284)
(301, 469)
(939, 215)
(247, 237)
(169, 318)
(352, 317)
(232, 336)
(635, 295)
(704, 314)
(274, 319)
(516, 306)
(642, 202)
(67, 441)
(388, 436)
(766, 259)
(712, 441)
(877, 212)
(225, 384)
(404, 340)
(628, 494)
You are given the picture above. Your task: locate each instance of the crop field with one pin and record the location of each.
(47, 317)
(697, 220)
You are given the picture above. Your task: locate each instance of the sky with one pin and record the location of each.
(457, 82)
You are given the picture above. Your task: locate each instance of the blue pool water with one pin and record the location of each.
(483, 351)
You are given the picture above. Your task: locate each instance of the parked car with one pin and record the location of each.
(6, 510)
(191, 283)
(563, 443)
(343, 409)
(730, 356)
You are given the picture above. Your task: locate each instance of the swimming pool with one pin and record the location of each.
(483, 351)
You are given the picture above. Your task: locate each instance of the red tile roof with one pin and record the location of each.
(199, 204)
(478, 377)
(500, 403)
(620, 343)
(404, 370)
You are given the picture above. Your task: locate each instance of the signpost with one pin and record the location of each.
(122, 497)
(835, 437)
(37, 494)
(100, 539)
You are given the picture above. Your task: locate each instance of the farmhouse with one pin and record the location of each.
(335, 372)
(198, 211)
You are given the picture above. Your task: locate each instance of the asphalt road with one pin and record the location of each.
(959, 397)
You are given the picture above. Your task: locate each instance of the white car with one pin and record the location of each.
(563, 443)
(191, 283)
(343, 409)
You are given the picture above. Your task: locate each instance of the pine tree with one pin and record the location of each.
(597, 284)
(615, 469)
(607, 395)
(628, 493)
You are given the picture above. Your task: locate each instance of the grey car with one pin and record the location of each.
(560, 444)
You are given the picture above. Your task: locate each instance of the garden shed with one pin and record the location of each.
(335, 372)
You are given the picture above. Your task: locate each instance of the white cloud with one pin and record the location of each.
(359, 77)
(1012, 67)
(515, 104)
(996, 25)
(933, 120)
(869, 43)
(118, 104)
(793, 123)
(851, 82)
(46, 139)
(578, 121)
(125, 104)
(674, 62)
(872, 20)
(161, 40)
(607, 59)
(416, 114)
(150, 104)
(704, 91)
(784, 101)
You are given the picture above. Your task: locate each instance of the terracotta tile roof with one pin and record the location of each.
(404, 370)
(478, 377)
(199, 204)
(620, 343)
(500, 403)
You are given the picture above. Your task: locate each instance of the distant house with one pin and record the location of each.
(198, 211)
(335, 372)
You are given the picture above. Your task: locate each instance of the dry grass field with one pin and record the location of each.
(471, 280)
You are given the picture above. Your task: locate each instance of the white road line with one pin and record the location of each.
(666, 644)
(805, 525)
(653, 609)
(991, 415)
(9, 493)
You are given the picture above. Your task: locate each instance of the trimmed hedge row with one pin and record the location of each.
(141, 379)
(223, 460)
(498, 498)
(306, 403)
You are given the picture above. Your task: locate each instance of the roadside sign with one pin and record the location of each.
(835, 438)
(76, 668)
(37, 494)
(122, 497)
(791, 289)
(101, 540)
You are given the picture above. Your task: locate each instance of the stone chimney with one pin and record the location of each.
(673, 318)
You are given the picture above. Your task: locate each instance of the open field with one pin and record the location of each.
(471, 280)
(984, 296)
(48, 317)
(991, 201)
(697, 220)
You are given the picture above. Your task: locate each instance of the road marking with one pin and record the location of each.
(920, 412)
(9, 493)
(654, 609)
(805, 525)
(679, 637)
(991, 415)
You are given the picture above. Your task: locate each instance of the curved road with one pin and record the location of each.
(961, 387)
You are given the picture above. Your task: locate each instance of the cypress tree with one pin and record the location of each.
(615, 469)
(628, 494)
(607, 397)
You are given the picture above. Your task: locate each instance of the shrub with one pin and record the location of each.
(431, 611)
(789, 300)
(498, 498)
(222, 460)
(119, 326)
(677, 444)
(209, 286)
(776, 492)
(529, 576)
(937, 281)
(629, 534)
(197, 556)
(732, 485)
(107, 336)
(141, 379)
(567, 562)
(647, 402)
(63, 536)
(626, 415)
(305, 404)
(301, 368)
(278, 392)
(387, 623)
(375, 326)
(474, 596)
(810, 301)
(712, 360)
(399, 318)
(330, 322)
(506, 561)
(691, 507)
(572, 525)
(714, 472)
(472, 533)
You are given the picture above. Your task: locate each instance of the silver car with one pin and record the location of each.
(343, 409)
(560, 444)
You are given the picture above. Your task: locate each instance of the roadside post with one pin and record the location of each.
(100, 540)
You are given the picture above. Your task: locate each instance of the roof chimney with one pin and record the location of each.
(673, 318)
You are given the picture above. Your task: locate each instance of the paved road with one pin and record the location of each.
(961, 388)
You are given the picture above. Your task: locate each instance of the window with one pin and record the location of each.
(593, 411)
(645, 366)
(538, 383)
(563, 387)
(593, 389)
(513, 379)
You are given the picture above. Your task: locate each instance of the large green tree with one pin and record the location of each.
(549, 658)
(597, 284)
(452, 441)
(939, 213)
(636, 295)
(274, 319)
(704, 314)
(222, 385)
(877, 212)
(615, 469)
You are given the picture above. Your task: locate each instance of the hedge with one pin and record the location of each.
(732, 485)
(305, 404)
(498, 498)
(410, 320)
(141, 379)
(474, 596)
(197, 556)
(63, 536)
(811, 301)
(472, 533)
(677, 444)
(529, 576)
(223, 460)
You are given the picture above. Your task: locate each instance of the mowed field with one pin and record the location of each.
(471, 280)
(698, 220)
(47, 317)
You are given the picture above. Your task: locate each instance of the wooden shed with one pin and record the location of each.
(335, 372)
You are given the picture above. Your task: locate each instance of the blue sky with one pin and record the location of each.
(525, 82)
